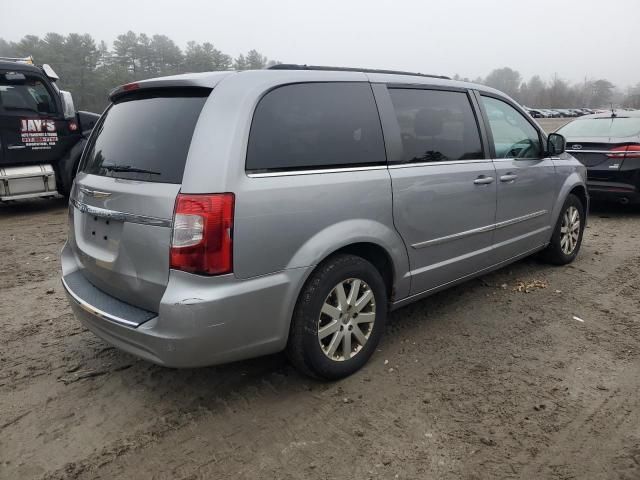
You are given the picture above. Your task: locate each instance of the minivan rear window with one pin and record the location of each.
(314, 125)
(145, 136)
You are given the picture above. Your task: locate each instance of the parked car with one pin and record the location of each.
(534, 112)
(565, 112)
(608, 144)
(221, 216)
(41, 134)
(553, 113)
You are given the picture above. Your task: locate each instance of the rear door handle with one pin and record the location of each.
(483, 180)
(508, 178)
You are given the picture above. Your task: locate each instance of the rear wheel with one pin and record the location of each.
(339, 318)
(567, 235)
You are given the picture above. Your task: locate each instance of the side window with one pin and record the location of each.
(436, 125)
(513, 135)
(314, 125)
(29, 95)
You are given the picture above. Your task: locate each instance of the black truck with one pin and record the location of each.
(41, 134)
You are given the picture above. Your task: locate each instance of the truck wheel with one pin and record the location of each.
(338, 319)
(567, 235)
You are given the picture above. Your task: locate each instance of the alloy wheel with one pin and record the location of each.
(346, 319)
(570, 230)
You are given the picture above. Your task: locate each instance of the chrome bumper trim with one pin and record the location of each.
(95, 311)
(121, 216)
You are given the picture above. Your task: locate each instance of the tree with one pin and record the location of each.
(167, 56)
(80, 58)
(6, 49)
(126, 50)
(506, 80)
(559, 94)
(632, 98)
(240, 63)
(532, 92)
(602, 93)
(255, 60)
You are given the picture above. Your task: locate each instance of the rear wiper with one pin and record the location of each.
(127, 168)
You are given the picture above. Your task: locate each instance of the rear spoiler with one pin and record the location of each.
(191, 80)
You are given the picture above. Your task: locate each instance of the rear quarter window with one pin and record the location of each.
(145, 136)
(315, 125)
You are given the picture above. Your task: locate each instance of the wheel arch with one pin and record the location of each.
(377, 243)
(573, 184)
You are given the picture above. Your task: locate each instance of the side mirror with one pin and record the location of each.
(48, 71)
(556, 144)
(67, 104)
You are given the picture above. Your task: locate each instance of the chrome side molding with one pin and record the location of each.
(487, 228)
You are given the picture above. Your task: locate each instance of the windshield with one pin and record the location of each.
(602, 127)
(146, 136)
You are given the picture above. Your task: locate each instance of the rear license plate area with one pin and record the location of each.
(101, 232)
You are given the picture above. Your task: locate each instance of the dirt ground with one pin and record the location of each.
(479, 382)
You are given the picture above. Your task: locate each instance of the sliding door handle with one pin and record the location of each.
(508, 178)
(483, 180)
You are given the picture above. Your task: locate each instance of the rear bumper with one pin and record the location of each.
(615, 191)
(201, 320)
(615, 180)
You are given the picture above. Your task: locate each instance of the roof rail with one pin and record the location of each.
(28, 60)
(293, 66)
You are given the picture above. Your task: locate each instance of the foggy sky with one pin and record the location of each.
(571, 38)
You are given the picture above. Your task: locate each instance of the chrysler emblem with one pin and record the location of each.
(577, 146)
(94, 193)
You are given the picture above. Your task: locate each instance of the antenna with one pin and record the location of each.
(613, 112)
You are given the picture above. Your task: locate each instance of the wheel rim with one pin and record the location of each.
(346, 319)
(570, 230)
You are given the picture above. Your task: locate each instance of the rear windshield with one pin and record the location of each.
(26, 95)
(602, 127)
(146, 136)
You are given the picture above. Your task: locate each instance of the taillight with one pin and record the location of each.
(202, 234)
(127, 87)
(627, 151)
(73, 126)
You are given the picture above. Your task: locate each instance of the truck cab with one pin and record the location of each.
(41, 134)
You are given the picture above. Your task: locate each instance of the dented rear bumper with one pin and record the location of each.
(201, 320)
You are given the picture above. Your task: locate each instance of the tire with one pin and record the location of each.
(559, 252)
(321, 306)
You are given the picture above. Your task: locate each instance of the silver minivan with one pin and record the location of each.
(227, 215)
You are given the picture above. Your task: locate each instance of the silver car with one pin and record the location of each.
(221, 216)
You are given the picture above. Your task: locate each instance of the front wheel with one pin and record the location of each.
(339, 318)
(567, 235)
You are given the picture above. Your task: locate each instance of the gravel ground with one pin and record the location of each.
(481, 381)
